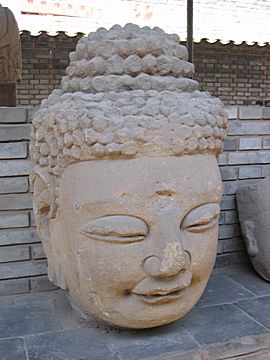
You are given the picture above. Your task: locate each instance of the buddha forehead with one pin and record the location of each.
(142, 179)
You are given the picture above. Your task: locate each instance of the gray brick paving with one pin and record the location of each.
(258, 309)
(231, 317)
(223, 290)
(12, 349)
(220, 323)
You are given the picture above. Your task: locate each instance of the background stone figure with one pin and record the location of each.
(253, 202)
(10, 57)
(126, 181)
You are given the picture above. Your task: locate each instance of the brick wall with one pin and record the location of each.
(22, 263)
(238, 74)
(246, 158)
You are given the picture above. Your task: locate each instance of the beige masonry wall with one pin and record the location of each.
(22, 264)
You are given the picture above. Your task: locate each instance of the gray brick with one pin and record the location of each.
(266, 143)
(250, 112)
(14, 253)
(15, 167)
(266, 113)
(13, 150)
(228, 202)
(14, 132)
(12, 115)
(232, 245)
(229, 173)
(13, 185)
(230, 144)
(31, 112)
(41, 283)
(238, 258)
(246, 172)
(222, 160)
(265, 171)
(249, 128)
(220, 247)
(223, 260)
(11, 287)
(13, 220)
(250, 143)
(248, 157)
(221, 218)
(16, 202)
(231, 187)
(232, 112)
(228, 231)
(37, 252)
(23, 269)
(231, 217)
(21, 236)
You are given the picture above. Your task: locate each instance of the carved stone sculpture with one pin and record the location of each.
(253, 202)
(126, 182)
(10, 57)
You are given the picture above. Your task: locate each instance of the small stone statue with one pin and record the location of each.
(10, 57)
(253, 202)
(126, 181)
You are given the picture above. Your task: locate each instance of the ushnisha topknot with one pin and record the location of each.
(127, 93)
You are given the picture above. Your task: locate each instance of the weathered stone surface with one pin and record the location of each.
(126, 245)
(254, 213)
(10, 47)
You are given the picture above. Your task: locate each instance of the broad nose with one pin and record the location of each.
(173, 260)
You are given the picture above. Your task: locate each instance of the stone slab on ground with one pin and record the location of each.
(230, 322)
(12, 349)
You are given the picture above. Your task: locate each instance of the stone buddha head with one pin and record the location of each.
(126, 181)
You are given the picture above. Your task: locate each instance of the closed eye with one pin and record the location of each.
(116, 229)
(202, 218)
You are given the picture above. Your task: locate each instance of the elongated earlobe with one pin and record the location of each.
(44, 205)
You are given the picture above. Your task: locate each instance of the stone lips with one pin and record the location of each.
(126, 94)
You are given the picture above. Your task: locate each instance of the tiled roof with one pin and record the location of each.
(236, 20)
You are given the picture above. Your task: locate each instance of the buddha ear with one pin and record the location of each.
(249, 236)
(43, 201)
